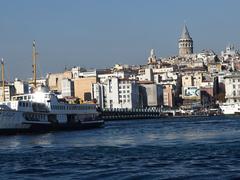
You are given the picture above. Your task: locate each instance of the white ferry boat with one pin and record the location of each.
(42, 111)
(230, 108)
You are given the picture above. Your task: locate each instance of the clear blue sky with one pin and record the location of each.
(101, 33)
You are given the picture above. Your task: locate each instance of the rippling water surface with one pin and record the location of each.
(190, 148)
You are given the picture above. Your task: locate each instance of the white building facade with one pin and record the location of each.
(67, 88)
(232, 87)
(121, 93)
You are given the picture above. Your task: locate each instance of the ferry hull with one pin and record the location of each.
(13, 122)
(41, 128)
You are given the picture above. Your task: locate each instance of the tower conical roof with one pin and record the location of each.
(185, 33)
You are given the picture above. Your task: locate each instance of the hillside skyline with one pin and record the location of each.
(97, 34)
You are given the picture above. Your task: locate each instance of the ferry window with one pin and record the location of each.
(19, 98)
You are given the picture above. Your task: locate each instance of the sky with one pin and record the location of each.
(101, 33)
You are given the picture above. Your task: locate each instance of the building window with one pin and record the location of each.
(238, 93)
(234, 93)
(233, 80)
(234, 86)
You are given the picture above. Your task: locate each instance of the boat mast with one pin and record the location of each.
(3, 80)
(34, 64)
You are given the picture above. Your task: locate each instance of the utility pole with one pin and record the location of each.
(3, 80)
(34, 64)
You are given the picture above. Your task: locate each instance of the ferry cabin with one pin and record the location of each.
(45, 106)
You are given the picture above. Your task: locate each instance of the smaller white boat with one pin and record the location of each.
(230, 108)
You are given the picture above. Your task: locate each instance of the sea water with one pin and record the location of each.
(182, 148)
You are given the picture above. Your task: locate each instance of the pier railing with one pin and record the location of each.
(147, 113)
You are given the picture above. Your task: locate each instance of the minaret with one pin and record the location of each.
(185, 43)
(152, 59)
